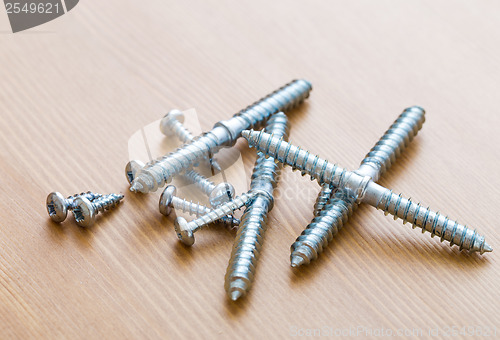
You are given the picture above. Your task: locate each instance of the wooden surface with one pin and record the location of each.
(74, 91)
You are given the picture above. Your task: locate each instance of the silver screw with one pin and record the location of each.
(367, 191)
(85, 211)
(168, 200)
(58, 206)
(339, 208)
(132, 168)
(324, 196)
(185, 230)
(224, 134)
(217, 194)
(173, 124)
(250, 237)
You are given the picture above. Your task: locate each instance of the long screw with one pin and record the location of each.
(367, 191)
(173, 124)
(224, 134)
(85, 211)
(185, 230)
(217, 193)
(250, 237)
(327, 222)
(58, 206)
(325, 194)
(168, 200)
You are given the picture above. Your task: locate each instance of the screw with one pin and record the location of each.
(185, 230)
(85, 211)
(217, 194)
(250, 237)
(58, 206)
(367, 191)
(172, 124)
(224, 134)
(324, 196)
(339, 208)
(132, 168)
(168, 200)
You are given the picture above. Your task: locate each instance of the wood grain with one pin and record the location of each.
(73, 91)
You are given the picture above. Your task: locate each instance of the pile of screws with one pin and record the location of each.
(340, 194)
(85, 206)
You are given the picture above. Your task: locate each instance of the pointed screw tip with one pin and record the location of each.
(136, 187)
(235, 295)
(245, 134)
(487, 248)
(297, 261)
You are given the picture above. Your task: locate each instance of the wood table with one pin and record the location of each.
(74, 91)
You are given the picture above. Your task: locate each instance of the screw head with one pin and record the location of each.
(222, 193)
(171, 116)
(56, 207)
(185, 235)
(165, 203)
(132, 168)
(84, 212)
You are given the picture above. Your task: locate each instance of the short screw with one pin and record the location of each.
(132, 168)
(367, 191)
(173, 124)
(58, 206)
(185, 230)
(168, 200)
(85, 211)
(328, 221)
(224, 134)
(217, 194)
(250, 237)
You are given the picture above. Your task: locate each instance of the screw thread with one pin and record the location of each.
(198, 210)
(323, 197)
(246, 248)
(326, 225)
(182, 133)
(394, 141)
(322, 229)
(283, 99)
(326, 172)
(248, 242)
(221, 211)
(295, 157)
(203, 183)
(433, 222)
(161, 171)
(106, 202)
(70, 200)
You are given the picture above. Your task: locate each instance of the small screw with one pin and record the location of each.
(58, 206)
(168, 200)
(185, 230)
(329, 220)
(85, 211)
(217, 194)
(367, 191)
(172, 125)
(224, 134)
(132, 168)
